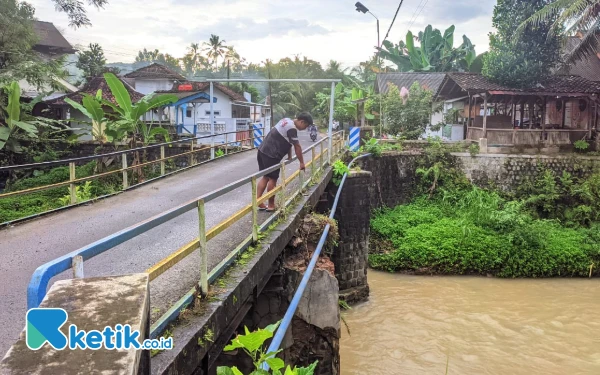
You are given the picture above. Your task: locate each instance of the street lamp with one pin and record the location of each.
(363, 9)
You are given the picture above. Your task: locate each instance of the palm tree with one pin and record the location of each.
(580, 16)
(215, 48)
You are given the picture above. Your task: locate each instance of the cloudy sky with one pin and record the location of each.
(261, 29)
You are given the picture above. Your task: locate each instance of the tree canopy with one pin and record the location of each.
(520, 59)
(92, 61)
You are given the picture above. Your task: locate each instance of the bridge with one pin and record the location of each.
(174, 274)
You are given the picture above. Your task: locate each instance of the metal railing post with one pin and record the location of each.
(322, 156)
(330, 131)
(191, 152)
(212, 123)
(283, 184)
(203, 249)
(162, 160)
(72, 188)
(254, 211)
(77, 266)
(226, 143)
(124, 167)
(314, 162)
(252, 137)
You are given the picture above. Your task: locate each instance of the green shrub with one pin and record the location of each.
(479, 232)
(21, 206)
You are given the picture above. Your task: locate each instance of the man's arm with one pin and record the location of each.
(298, 150)
(290, 154)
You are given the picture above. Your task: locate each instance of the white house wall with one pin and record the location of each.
(147, 86)
(222, 109)
(82, 123)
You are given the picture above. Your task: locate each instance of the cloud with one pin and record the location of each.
(240, 29)
(459, 11)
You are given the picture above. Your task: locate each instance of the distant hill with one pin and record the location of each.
(128, 67)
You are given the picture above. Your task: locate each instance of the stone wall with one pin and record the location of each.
(507, 172)
(350, 257)
(394, 179)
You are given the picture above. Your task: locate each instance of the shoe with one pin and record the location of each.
(262, 207)
(271, 209)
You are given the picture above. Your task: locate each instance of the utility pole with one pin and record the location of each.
(270, 93)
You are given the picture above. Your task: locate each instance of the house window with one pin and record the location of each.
(188, 112)
(217, 113)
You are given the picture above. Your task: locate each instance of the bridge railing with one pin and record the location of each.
(289, 314)
(40, 279)
(231, 139)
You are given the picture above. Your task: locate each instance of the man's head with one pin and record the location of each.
(303, 121)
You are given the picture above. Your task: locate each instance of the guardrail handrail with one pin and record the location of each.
(289, 314)
(116, 153)
(36, 290)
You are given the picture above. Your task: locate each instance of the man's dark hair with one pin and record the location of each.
(306, 117)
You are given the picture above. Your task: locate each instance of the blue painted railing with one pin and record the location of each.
(37, 287)
(289, 314)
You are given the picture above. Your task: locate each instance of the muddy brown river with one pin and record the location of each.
(421, 325)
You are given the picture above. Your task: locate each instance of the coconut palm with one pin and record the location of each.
(215, 48)
(579, 16)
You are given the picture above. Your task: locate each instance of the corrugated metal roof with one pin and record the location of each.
(204, 86)
(429, 81)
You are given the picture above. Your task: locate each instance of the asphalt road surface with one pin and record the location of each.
(26, 246)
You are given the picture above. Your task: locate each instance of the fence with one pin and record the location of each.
(549, 137)
(127, 169)
(40, 279)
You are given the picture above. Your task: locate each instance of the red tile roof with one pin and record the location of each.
(155, 71)
(91, 88)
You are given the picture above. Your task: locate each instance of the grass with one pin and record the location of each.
(478, 232)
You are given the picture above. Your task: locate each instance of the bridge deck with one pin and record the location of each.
(27, 246)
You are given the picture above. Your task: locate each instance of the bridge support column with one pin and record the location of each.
(351, 255)
(91, 304)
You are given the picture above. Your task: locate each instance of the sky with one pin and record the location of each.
(268, 29)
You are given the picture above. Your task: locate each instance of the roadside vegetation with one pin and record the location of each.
(549, 227)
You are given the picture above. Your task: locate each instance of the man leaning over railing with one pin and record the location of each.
(276, 145)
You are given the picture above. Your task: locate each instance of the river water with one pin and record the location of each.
(420, 325)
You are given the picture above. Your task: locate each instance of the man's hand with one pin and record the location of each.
(302, 167)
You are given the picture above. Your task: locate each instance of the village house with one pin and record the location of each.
(61, 110)
(51, 45)
(191, 113)
(557, 112)
(431, 82)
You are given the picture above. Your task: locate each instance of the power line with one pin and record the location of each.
(393, 20)
(417, 15)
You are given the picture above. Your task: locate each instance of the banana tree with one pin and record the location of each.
(127, 115)
(91, 107)
(12, 124)
(436, 52)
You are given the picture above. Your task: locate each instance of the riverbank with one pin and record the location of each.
(479, 233)
(473, 326)
(548, 226)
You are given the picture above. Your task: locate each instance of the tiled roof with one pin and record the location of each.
(204, 87)
(155, 71)
(91, 88)
(430, 81)
(555, 84)
(588, 68)
(50, 37)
